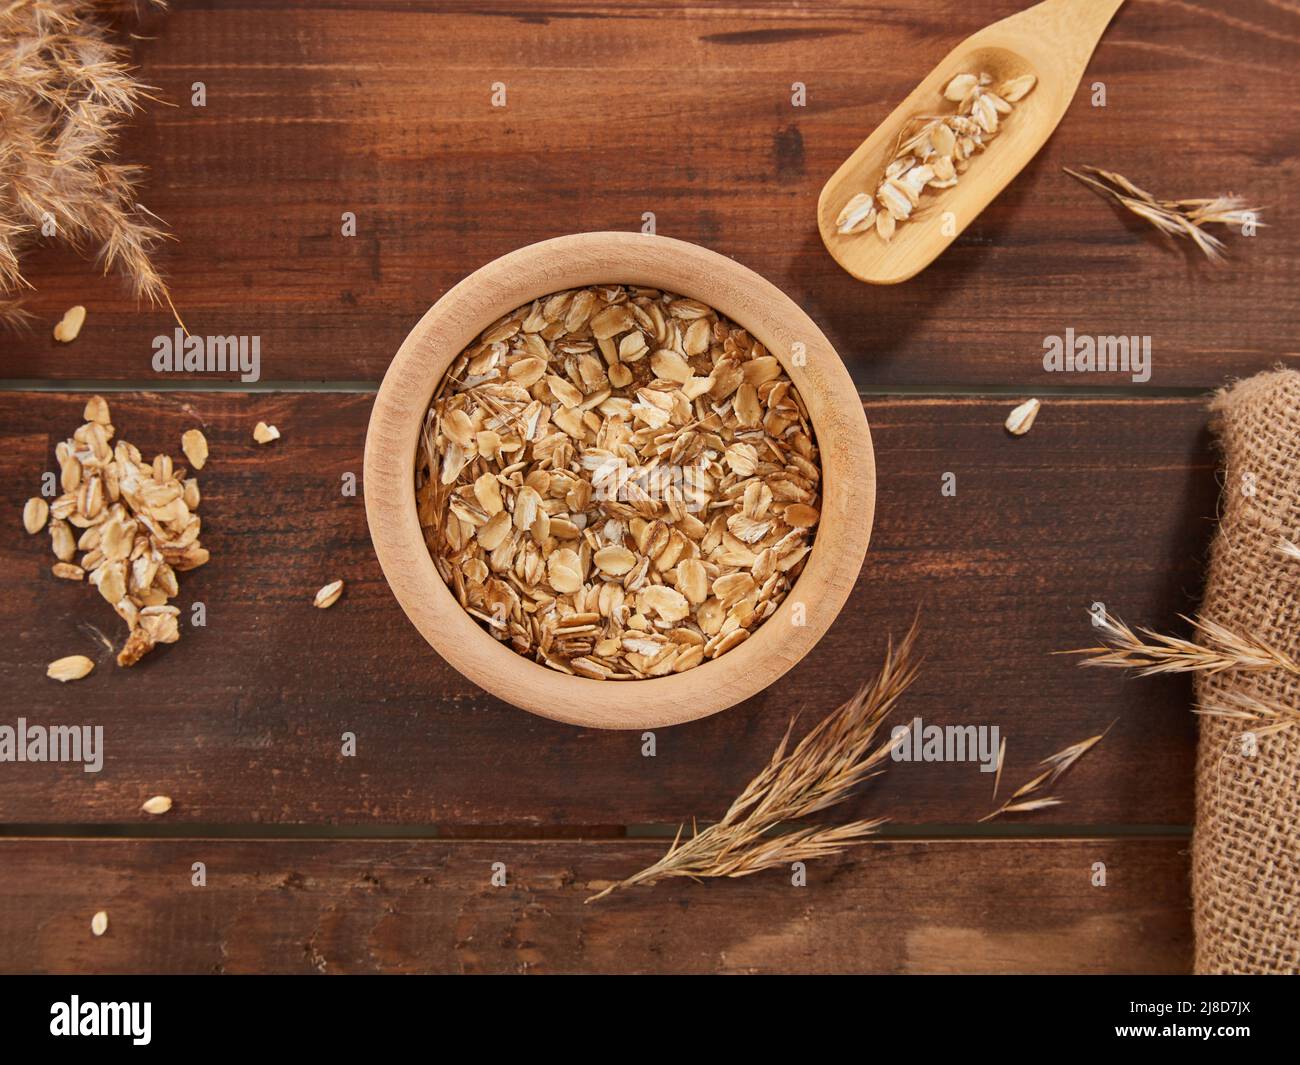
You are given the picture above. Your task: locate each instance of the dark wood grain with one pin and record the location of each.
(347, 907)
(617, 110)
(241, 721)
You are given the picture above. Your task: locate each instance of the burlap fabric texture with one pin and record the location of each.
(1246, 846)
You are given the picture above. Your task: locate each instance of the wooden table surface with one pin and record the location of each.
(383, 861)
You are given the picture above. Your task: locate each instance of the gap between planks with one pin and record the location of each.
(370, 387)
(657, 833)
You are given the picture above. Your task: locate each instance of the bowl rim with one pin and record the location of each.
(775, 320)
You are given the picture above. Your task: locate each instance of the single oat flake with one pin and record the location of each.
(159, 804)
(99, 923)
(69, 326)
(73, 667)
(195, 446)
(328, 595)
(1021, 420)
(618, 482)
(35, 513)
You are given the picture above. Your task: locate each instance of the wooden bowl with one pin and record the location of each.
(843, 439)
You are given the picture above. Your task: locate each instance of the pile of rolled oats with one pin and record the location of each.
(933, 155)
(137, 522)
(618, 482)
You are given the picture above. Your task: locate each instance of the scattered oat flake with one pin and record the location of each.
(67, 328)
(1021, 420)
(264, 433)
(35, 513)
(99, 923)
(159, 804)
(96, 410)
(73, 667)
(195, 446)
(329, 595)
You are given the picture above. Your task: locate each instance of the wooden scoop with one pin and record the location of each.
(1052, 41)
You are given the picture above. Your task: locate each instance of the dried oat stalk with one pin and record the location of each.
(618, 482)
(932, 151)
(64, 92)
(1262, 716)
(137, 527)
(1027, 798)
(1216, 649)
(838, 754)
(1174, 218)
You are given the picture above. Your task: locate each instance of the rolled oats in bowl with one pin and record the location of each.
(618, 482)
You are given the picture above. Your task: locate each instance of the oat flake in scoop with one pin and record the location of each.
(618, 482)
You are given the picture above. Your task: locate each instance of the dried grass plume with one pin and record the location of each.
(823, 769)
(65, 89)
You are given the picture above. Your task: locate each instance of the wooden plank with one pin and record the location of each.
(348, 907)
(618, 110)
(241, 721)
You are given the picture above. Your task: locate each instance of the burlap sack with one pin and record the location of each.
(1246, 846)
